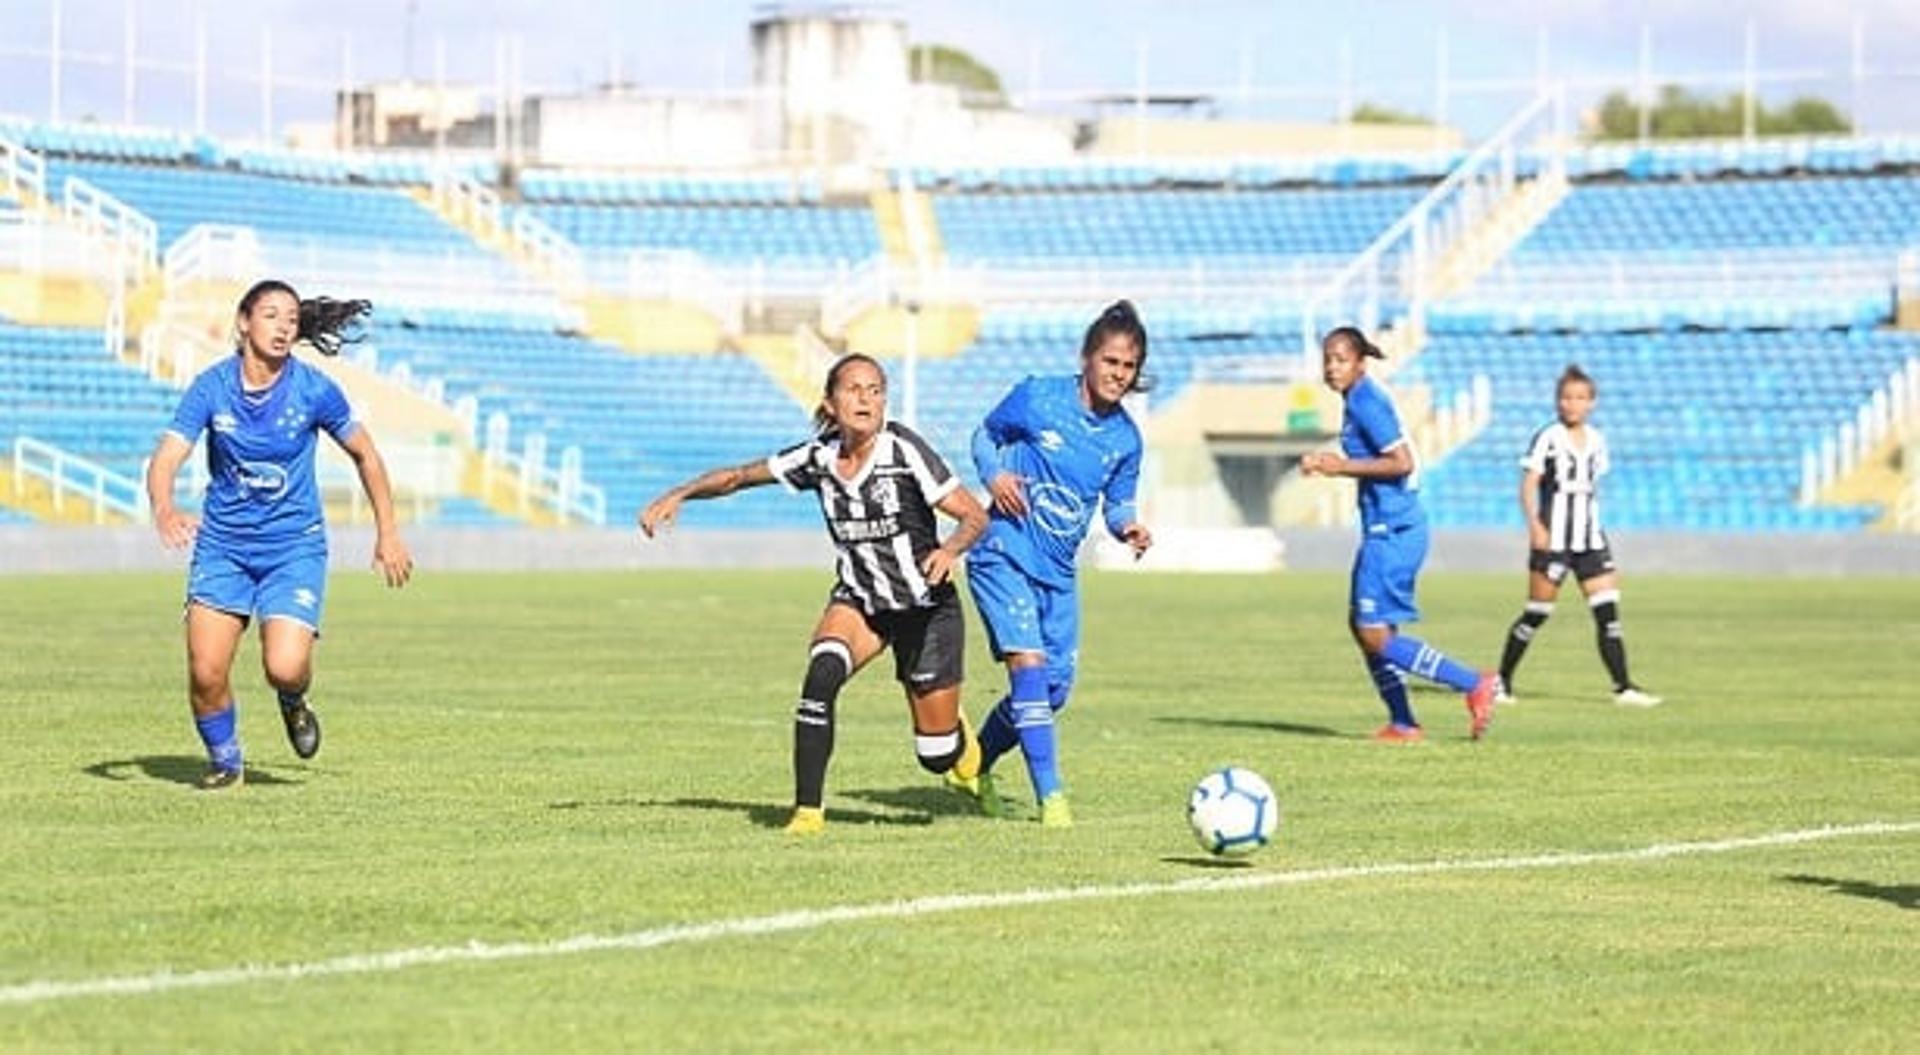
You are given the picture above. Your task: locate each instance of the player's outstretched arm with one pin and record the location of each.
(714, 483)
(176, 528)
(389, 552)
(1530, 509)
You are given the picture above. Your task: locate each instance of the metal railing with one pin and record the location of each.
(212, 252)
(70, 477)
(685, 277)
(561, 490)
(23, 173)
(1396, 266)
(119, 224)
(1892, 411)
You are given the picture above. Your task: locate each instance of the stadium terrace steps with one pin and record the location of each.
(1505, 225)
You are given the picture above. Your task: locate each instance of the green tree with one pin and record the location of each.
(941, 64)
(1374, 114)
(1681, 114)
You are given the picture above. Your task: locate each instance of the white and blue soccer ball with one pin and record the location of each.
(1233, 812)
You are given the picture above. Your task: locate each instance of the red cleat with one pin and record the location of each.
(1480, 704)
(1399, 734)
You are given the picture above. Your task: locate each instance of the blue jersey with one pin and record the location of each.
(1369, 429)
(1067, 457)
(261, 492)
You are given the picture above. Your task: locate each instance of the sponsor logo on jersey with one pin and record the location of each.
(1051, 440)
(1056, 510)
(224, 422)
(262, 481)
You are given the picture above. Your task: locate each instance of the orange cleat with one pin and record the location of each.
(1399, 734)
(1480, 704)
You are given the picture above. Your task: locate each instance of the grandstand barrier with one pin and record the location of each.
(23, 173)
(71, 479)
(1887, 417)
(210, 252)
(119, 224)
(1391, 276)
(534, 490)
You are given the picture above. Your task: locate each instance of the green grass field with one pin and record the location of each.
(528, 759)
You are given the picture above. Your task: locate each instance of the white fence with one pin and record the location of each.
(561, 490)
(71, 478)
(1891, 412)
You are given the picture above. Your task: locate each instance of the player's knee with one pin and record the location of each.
(939, 751)
(207, 677)
(1606, 612)
(1532, 618)
(829, 665)
(286, 673)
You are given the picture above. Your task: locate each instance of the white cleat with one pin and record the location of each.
(1633, 697)
(1503, 698)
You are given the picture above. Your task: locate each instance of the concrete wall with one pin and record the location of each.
(29, 550)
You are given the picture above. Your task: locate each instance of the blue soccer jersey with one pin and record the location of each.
(1369, 429)
(261, 492)
(1067, 456)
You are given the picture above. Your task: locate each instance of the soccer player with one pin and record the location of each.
(878, 484)
(1050, 450)
(1559, 495)
(260, 546)
(1377, 452)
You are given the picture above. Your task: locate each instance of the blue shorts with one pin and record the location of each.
(1022, 615)
(1384, 573)
(278, 586)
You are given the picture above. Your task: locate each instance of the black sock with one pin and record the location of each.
(827, 670)
(290, 700)
(1613, 645)
(1519, 636)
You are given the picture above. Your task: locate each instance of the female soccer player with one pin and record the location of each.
(1559, 497)
(878, 483)
(1376, 451)
(260, 546)
(1051, 449)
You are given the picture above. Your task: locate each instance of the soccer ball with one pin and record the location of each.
(1232, 812)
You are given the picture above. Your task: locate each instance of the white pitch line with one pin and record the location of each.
(809, 919)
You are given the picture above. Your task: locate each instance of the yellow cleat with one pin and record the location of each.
(1054, 811)
(807, 820)
(966, 769)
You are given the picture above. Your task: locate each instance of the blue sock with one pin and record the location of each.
(1417, 657)
(1393, 691)
(1033, 719)
(997, 735)
(217, 732)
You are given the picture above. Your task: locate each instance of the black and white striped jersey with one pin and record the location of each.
(883, 520)
(1568, 500)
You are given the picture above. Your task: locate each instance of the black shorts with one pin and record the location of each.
(1586, 564)
(929, 644)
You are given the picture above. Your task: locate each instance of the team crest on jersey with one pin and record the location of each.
(885, 493)
(1051, 440)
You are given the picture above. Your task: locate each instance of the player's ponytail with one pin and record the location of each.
(325, 323)
(1119, 319)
